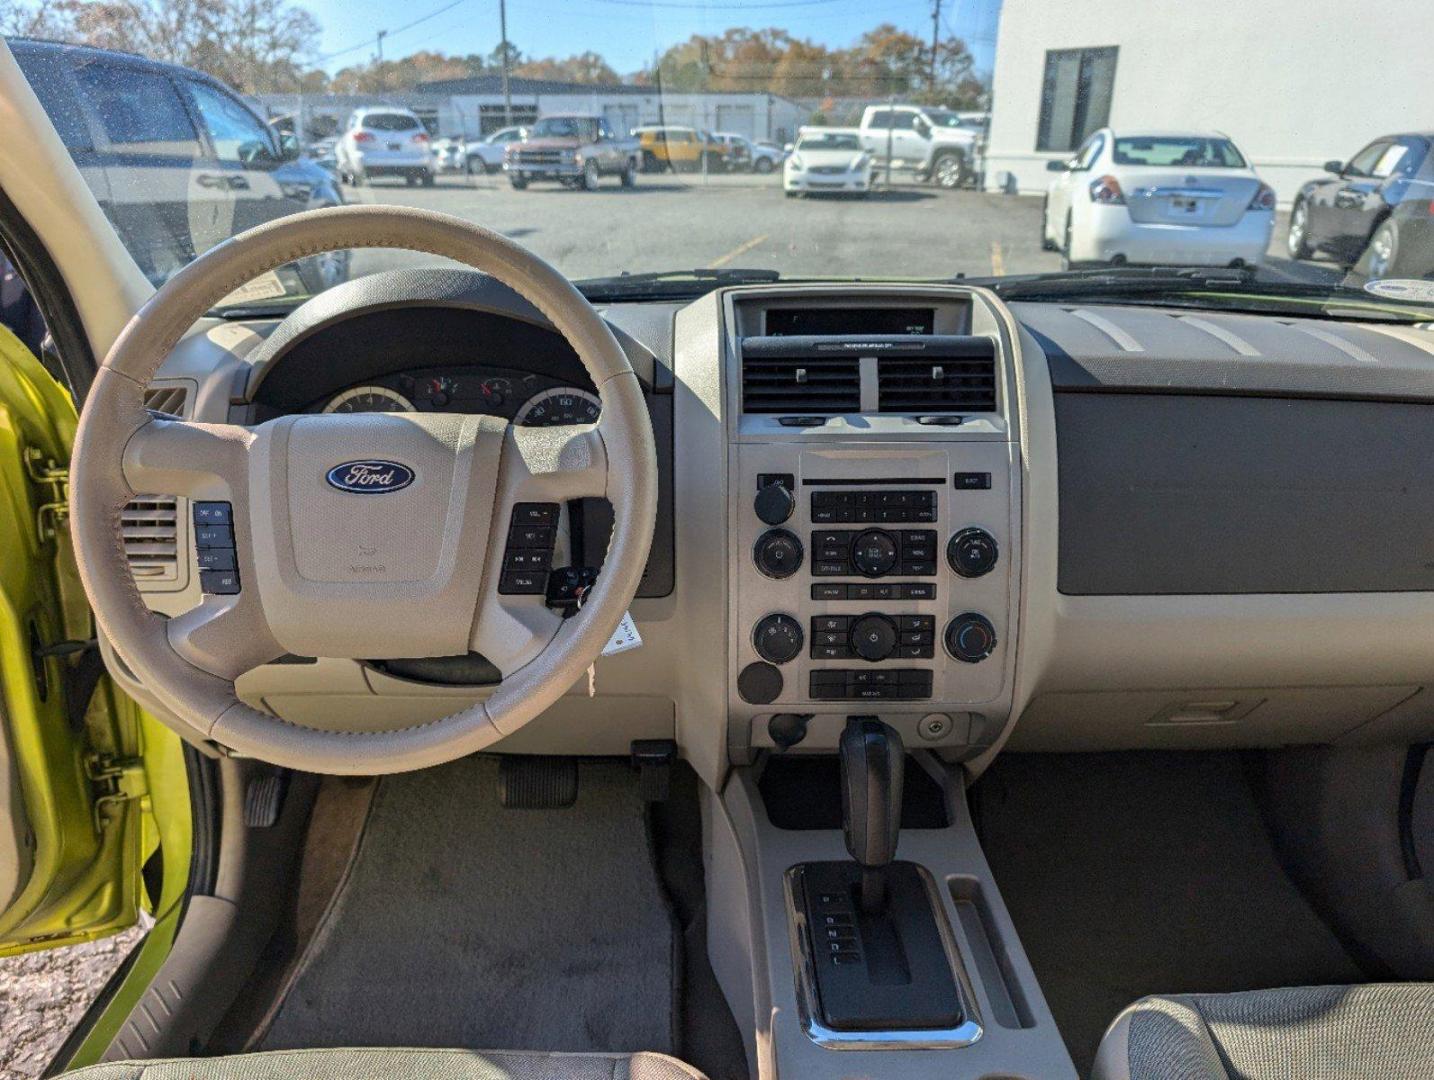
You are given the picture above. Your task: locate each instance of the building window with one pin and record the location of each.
(1075, 97)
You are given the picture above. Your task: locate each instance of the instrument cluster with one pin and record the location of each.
(518, 396)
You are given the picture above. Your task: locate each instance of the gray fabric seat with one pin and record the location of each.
(360, 1064)
(1310, 1032)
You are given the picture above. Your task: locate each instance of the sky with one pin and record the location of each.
(625, 32)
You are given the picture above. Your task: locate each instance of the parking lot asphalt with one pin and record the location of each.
(680, 222)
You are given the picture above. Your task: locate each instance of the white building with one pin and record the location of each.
(475, 106)
(1295, 83)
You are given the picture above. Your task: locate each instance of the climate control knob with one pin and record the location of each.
(777, 638)
(874, 552)
(778, 553)
(873, 636)
(972, 552)
(970, 638)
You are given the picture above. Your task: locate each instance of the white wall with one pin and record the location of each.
(1294, 82)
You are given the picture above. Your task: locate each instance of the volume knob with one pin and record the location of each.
(774, 504)
(778, 553)
(972, 552)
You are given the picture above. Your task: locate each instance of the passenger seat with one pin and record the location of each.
(1310, 1032)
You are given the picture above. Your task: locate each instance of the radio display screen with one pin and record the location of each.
(786, 322)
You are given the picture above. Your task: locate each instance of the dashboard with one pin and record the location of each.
(1044, 525)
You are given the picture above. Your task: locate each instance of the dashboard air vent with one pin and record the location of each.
(150, 527)
(786, 380)
(957, 376)
(166, 399)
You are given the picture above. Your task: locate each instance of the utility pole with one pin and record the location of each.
(935, 38)
(503, 45)
(382, 78)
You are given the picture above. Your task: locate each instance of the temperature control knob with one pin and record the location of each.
(774, 503)
(778, 553)
(970, 638)
(972, 552)
(874, 552)
(777, 638)
(873, 636)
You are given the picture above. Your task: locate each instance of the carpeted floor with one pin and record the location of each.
(1136, 873)
(464, 924)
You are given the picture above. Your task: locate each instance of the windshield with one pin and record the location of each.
(828, 141)
(648, 147)
(1178, 151)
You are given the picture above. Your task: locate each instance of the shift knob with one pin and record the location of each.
(872, 769)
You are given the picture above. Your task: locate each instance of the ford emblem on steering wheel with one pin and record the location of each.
(373, 477)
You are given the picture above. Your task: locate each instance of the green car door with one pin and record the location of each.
(91, 789)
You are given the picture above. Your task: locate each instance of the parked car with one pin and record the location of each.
(385, 141)
(575, 149)
(1372, 212)
(681, 149)
(176, 160)
(737, 150)
(767, 156)
(934, 144)
(827, 161)
(486, 155)
(449, 155)
(1180, 198)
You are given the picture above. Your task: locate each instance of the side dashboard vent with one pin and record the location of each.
(167, 399)
(957, 376)
(150, 527)
(779, 376)
(150, 524)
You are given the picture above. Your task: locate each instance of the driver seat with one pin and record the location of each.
(407, 1064)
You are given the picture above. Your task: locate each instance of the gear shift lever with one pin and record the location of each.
(872, 764)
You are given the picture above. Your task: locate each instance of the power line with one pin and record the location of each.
(389, 33)
(701, 6)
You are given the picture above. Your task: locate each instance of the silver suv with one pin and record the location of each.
(385, 142)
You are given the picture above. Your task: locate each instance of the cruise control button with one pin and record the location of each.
(219, 582)
(522, 583)
(216, 559)
(531, 559)
(220, 536)
(535, 514)
(532, 536)
(213, 513)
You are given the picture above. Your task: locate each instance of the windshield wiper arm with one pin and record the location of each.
(700, 280)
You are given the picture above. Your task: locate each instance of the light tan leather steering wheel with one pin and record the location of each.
(326, 571)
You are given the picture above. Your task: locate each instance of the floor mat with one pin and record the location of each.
(1137, 873)
(464, 924)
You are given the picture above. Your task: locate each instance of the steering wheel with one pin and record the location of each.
(402, 557)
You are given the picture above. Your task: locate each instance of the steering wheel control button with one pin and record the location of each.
(532, 533)
(213, 513)
(778, 553)
(759, 683)
(775, 502)
(778, 638)
(870, 684)
(214, 548)
(970, 638)
(219, 582)
(972, 552)
(874, 553)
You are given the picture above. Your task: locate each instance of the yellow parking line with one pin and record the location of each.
(740, 249)
(998, 258)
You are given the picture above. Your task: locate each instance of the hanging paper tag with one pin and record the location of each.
(625, 637)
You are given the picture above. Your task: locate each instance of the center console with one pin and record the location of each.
(874, 515)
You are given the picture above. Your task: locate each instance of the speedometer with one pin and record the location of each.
(561, 405)
(369, 399)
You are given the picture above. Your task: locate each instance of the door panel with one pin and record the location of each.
(73, 778)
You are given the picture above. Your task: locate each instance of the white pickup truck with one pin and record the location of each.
(936, 144)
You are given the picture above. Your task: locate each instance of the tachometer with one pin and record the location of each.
(369, 399)
(561, 405)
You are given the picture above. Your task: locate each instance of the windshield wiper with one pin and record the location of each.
(674, 282)
(1116, 280)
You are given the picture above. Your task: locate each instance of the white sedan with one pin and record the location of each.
(827, 161)
(1173, 198)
